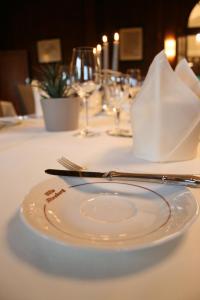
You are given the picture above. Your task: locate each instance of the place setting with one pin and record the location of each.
(125, 211)
(100, 150)
(108, 215)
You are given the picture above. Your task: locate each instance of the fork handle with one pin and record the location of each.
(185, 180)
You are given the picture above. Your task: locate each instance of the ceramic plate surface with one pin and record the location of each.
(108, 215)
(10, 121)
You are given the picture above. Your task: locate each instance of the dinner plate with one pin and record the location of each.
(108, 215)
(10, 121)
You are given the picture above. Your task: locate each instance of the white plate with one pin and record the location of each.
(108, 215)
(10, 121)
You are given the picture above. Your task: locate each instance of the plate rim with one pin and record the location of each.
(100, 247)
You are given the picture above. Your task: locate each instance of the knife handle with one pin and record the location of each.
(185, 180)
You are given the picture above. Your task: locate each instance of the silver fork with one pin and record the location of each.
(68, 164)
(189, 180)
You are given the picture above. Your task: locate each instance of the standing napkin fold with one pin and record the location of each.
(188, 77)
(165, 115)
(37, 98)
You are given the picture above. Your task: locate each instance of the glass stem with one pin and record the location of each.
(117, 118)
(103, 101)
(86, 114)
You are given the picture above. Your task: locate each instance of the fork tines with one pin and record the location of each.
(69, 164)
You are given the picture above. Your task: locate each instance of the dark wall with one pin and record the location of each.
(158, 18)
(27, 22)
(82, 22)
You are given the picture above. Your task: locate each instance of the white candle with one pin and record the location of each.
(99, 54)
(115, 58)
(105, 52)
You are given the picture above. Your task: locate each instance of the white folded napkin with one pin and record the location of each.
(37, 98)
(187, 76)
(37, 102)
(165, 115)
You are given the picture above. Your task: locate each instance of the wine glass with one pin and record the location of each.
(85, 77)
(135, 82)
(118, 94)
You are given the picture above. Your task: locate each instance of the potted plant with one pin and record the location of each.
(59, 102)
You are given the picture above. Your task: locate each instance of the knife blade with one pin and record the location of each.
(74, 173)
(177, 179)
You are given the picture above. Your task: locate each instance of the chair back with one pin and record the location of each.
(27, 98)
(7, 109)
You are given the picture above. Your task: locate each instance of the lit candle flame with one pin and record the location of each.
(170, 47)
(116, 36)
(94, 50)
(99, 48)
(104, 38)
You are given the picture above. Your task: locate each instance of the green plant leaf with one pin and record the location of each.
(52, 81)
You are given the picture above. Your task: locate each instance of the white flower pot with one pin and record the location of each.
(61, 114)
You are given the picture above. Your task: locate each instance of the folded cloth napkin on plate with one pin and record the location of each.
(187, 76)
(166, 115)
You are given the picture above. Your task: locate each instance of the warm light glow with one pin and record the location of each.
(46, 57)
(116, 36)
(98, 48)
(194, 18)
(94, 50)
(198, 37)
(104, 38)
(170, 48)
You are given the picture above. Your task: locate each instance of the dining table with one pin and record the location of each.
(38, 265)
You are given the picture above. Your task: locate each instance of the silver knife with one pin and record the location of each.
(177, 179)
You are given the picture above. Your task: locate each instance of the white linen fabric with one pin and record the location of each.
(187, 76)
(37, 98)
(165, 115)
(37, 268)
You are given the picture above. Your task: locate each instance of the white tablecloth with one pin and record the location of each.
(35, 268)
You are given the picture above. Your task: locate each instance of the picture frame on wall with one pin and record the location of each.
(131, 43)
(49, 51)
